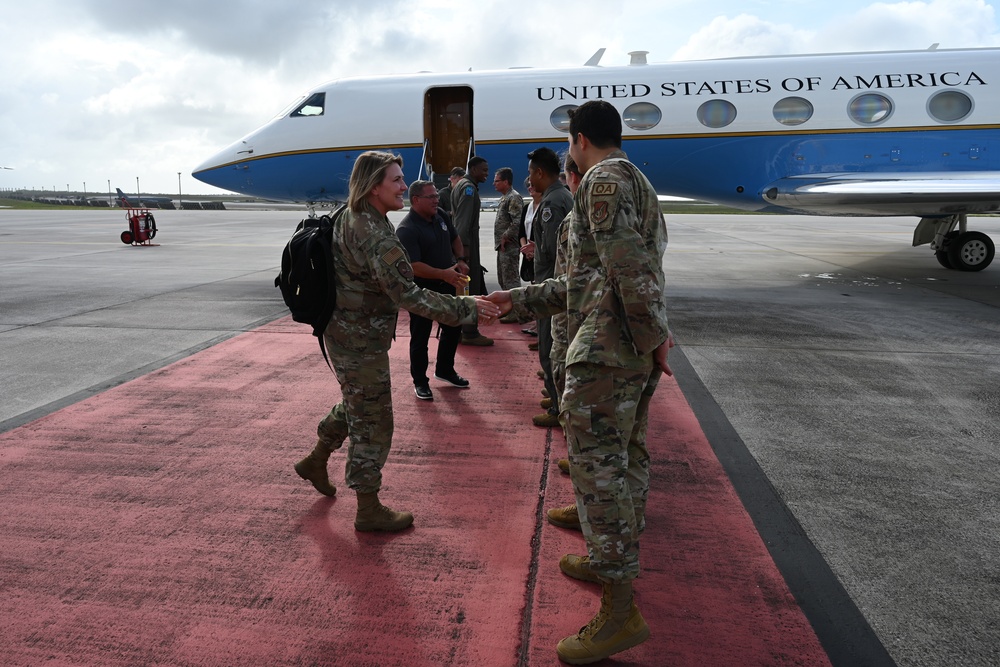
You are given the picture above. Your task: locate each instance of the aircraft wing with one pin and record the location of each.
(859, 193)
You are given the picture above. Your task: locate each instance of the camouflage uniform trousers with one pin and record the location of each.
(605, 415)
(508, 267)
(364, 415)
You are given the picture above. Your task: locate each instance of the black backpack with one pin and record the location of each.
(307, 275)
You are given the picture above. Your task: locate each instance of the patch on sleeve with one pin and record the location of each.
(546, 214)
(469, 190)
(392, 256)
(603, 189)
(599, 212)
(603, 196)
(404, 269)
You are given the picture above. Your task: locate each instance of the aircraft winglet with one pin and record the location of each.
(596, 58)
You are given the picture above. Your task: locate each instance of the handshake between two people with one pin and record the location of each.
(493, 306)
(497, 304)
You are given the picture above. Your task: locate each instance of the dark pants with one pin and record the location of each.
(420, 334)
(544, 328)
(476, 283)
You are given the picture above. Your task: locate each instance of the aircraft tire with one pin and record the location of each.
(127, 237)
(971, 251)
(941, 254)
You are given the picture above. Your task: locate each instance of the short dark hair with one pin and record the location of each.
(545, 159)
(599, 122)
(505, 174)
(417, 186)
(475, 161)
(457, 171)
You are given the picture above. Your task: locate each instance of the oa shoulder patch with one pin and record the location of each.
(469, 190)
(404, 269)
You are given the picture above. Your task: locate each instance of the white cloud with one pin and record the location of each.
(113, 89)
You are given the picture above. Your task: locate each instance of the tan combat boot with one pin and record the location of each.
(565, 517)
(578, 567)
(313, 468)
(373, 515)
(563, 465)
(617, 626)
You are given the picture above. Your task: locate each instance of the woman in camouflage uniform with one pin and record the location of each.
(374, 280)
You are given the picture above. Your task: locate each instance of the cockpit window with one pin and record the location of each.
(313, 106)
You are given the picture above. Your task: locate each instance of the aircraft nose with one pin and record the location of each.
(220, 171)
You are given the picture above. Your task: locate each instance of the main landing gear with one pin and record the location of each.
(957, 249)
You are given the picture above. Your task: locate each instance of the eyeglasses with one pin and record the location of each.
(434, 196)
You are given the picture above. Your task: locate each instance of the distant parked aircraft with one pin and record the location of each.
(140, 200)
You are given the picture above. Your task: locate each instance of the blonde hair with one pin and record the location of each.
(369, 170)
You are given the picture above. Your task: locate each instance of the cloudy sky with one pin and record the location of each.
(94, 91)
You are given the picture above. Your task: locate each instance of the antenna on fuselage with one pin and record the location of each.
(933, 47)
(638, 57)
(595, 59)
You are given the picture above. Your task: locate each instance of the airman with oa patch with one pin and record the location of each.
(604, 200)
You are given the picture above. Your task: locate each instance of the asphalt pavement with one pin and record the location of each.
(850, 373)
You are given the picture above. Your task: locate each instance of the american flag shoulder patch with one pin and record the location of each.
(392, 256)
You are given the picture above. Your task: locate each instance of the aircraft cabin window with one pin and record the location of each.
(560, 117)
(642, 116)
(716, 113)
(949, 106)
(792, 111)
(311, 107)
(870, 109)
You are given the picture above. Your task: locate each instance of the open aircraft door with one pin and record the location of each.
(448, 132)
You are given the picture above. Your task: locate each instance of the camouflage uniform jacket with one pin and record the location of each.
(560, 339)
(508, 220)
(614, 289)
(374, 280)
(465, 205)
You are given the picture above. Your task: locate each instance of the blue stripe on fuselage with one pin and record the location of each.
(726, 169)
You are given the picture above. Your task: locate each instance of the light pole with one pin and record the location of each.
(111, 202)
(178, 188)
(138, 192)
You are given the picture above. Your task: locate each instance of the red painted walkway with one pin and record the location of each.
(160, 523)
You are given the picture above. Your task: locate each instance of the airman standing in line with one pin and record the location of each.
(465, 207)
(374, 279)
(556, 202)
(445, 193)
(505, 229)
(614, 295)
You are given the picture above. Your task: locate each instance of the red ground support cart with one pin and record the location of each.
(141, 227)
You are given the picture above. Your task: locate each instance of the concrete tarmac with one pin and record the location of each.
(849, 381)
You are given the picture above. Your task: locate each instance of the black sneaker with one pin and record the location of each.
(454, 379)
(423, 392)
